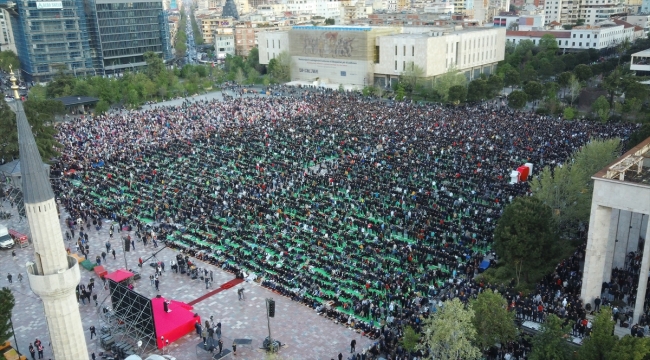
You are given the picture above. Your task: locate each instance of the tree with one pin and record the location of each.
(449, 333)
(280, 67)
(61, 85)
(253, 60)
(569, 113)
(550, 342)
(635, 138)
(444, 82)
(567, 189)
(7, 303)
(410, 76)
(548, 43)
(8, 58)
(583, 72)
(493, 322)
(630, 348)
(533, 90)
(512, 78)
(525, 238)
(517, 99)
(495, 85)
(601, 108)
(240, 76)
(563, 79)
(102, 107)
(400, 93)
(574, 88)
(329, 21)
(477, 90)
(410, 339)
(601, 341)
(457, 94)
(155, 64)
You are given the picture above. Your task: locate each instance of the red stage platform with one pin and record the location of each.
(175, 324)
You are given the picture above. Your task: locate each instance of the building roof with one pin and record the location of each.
(539, 34)
(13, 168)
(644, 53)
(36, 183)
(77, 100)
(624, 23)
(332, 28)
(629, 167)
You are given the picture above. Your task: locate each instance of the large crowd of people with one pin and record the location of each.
(370, 212)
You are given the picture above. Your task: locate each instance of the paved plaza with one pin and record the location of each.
(307, 335)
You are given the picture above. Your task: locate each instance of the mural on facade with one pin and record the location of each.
(329, 44)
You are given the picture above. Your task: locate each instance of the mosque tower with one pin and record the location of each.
(53, 275)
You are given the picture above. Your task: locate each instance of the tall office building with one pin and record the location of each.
(86, 37)
(121, 31)
(50, 36)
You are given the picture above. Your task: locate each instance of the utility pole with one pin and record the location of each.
(268, 320)
(124, 238)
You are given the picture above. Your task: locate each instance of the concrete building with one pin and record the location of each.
(642, 21)
(6, 34)
(360, 56)
(214, 25)
(473, 51)
(640, 61)
(224, 45)
(53, 275)
(325, 8)
(618, 224)
(581, 37)
(592, 11)
(645, 7)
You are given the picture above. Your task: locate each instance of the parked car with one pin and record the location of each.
(6, 241)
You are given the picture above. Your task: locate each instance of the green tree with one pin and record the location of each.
(411, 75)
(101, 107)
(569, 113)
(477, 90)
(583, 72)
(564, 78)
(512, 78)
(449, 333)
(630, 348)
(533, 90)
(495, 85)
(280, 67)
(253, 60)
(636, 137)
(37, 92)
(517, 99)
(240, 77)
(568, 189)
(61, 85)
(601, 108)
(155, 64)
(457, 94)
(410, 339)
(525, 238)
(7, 58)
(7, 303)
(550, 343)
(493, 322)
(400, 93)
(548, 43)
(601, 341)
(329, 21)
(444, 82)
(574, 89)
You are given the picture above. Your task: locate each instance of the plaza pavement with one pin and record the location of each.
(307, 335)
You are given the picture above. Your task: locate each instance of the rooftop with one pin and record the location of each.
(538, 34)
(77, 100)
(333, 28)
(643, 53)
(633, 166)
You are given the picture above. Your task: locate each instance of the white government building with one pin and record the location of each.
(366, 55)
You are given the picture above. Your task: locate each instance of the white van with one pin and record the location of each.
(6, 241)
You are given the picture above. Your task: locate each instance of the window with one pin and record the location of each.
(413, 50)
(396, 60)
(404, 50)
(574, 36)
(580, 44)
(588, 35)
(594, 44)
(403, 65)
(573, 43)
(581, 36)
(595, 36)
(395, 55)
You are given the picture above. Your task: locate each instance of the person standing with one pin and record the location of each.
(40, 350)
(157, 282)
(204, 335)
(92, 331)
(13, 254)
(197, 327)
(9, 278)
(220, 346)
(113, 252)
(32, 351)
(597, 303)
(234, 348)
(353, 344)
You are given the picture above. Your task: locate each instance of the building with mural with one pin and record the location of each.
(368, 55)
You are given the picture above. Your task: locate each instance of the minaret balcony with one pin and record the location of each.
(54, 285)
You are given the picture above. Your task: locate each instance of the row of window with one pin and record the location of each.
(131, 51)
(130, 15)
(130, 6)
(131, 28)
(130, 36)
(130, 44)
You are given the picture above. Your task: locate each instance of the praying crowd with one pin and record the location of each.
(372, 213)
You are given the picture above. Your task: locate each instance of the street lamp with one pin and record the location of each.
(14, 333)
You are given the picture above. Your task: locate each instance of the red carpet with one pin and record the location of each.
(225, 286)
(175, 324)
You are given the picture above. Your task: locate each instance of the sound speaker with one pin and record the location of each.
(271, 308)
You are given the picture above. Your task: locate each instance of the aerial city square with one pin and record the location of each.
(279, 179)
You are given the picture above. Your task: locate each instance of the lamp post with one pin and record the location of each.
(11, 322)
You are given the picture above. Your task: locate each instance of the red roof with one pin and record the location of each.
(624, 23)
(539, 34)
(119, 275)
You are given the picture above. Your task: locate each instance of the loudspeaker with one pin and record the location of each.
(127, 245)
(271, 308)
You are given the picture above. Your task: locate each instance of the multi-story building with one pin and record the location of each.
(121, 31)
(247, 33)
(87, 37)
(224, 45)
(591, 11)
(580, 37)
(642, 21)
(324, 8)
(645, 7)
(6, 34)
(211, 26)
(365, 55)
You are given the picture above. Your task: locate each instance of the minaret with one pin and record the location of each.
(53, 275)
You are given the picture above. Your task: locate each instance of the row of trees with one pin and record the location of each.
(198, 35)
(180, 42)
